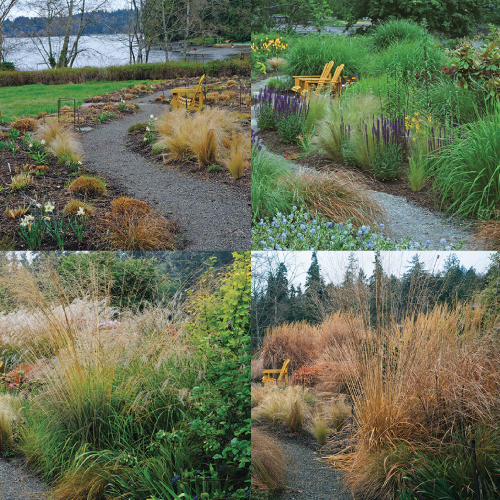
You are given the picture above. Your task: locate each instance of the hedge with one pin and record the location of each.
(148, 71)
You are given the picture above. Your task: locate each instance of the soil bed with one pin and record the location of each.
(52, 187)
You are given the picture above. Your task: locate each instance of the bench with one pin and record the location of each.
(188, 97)
(282, 373)
(302, 82)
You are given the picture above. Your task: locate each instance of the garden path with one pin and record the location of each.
(212, 216)
(17, 482)
(307, 478)
(404, 218)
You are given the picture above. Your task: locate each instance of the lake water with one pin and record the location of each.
(100, 51)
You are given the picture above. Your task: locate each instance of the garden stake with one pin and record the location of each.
(476, 476)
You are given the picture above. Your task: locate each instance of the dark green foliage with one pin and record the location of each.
(396, 30)
(453, 18)
(386, 162)
(289, 127)
(7, 66)
(266, 118)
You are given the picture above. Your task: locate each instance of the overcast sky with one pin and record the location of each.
(23, 9)
(333, 264)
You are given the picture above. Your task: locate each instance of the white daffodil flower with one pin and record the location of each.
(81, 211)
(49, 207)
(151, 116)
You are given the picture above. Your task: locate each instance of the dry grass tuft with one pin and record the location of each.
(10, 407)
(16, 213)
(239, 153)
(124, 204)
(257, 365)
(276, 63)
(488, 236)
(25, 125)
(87, 185)
(21, 181)
(268, 474)
(66, 144)
(337, 197)
(134, 231)
(290, 406)
(212, 97)
(72, 207)
(49, 130)
(201, 134)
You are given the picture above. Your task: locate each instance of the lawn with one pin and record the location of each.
(29, 100)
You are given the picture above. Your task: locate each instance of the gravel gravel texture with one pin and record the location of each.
(17, 482)
(212, 216)
(306, 473)
(403, 218)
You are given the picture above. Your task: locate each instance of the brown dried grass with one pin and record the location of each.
(201, 134)
(488, 236)
(87, 185)
(124, 204)
(336, 196)
(25, 125)
(134, 231)
(72, 207)
(257, 365)
(48, 130)
(268, 463)
(16, 213)
(66, 143)
(239, 153)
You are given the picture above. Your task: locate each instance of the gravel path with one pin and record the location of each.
(17, 482)
(307, 474)
(212, 216)
(404, 218)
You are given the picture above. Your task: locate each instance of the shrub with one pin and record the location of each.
(25, 125)
(86, 185)
(276, 63)
(124, 204)
(387, 161)
(10, 407)
(397, 30)
(130, 231)
(73, 206)
(268, 473)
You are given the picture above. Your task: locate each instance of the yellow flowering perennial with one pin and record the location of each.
(269, 48)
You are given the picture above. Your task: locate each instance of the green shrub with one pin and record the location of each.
(266, 119)
(289, 127)
(397, 30)
(387, 161)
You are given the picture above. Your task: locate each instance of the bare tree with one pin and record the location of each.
(61, 18)
(5, 7)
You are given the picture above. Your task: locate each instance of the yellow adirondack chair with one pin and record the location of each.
(281, 372)
(302, 82)
(188, 97)
(335, 81)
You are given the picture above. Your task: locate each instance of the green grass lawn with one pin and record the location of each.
(32, 99)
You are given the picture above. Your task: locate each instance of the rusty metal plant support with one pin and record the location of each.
(74, 109)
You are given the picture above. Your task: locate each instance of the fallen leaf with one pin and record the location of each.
(299, 491)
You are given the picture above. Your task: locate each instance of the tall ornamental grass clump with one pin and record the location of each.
(419, 384)
(396, 30)
(308, 55)
(467, 169)
(128, 409)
